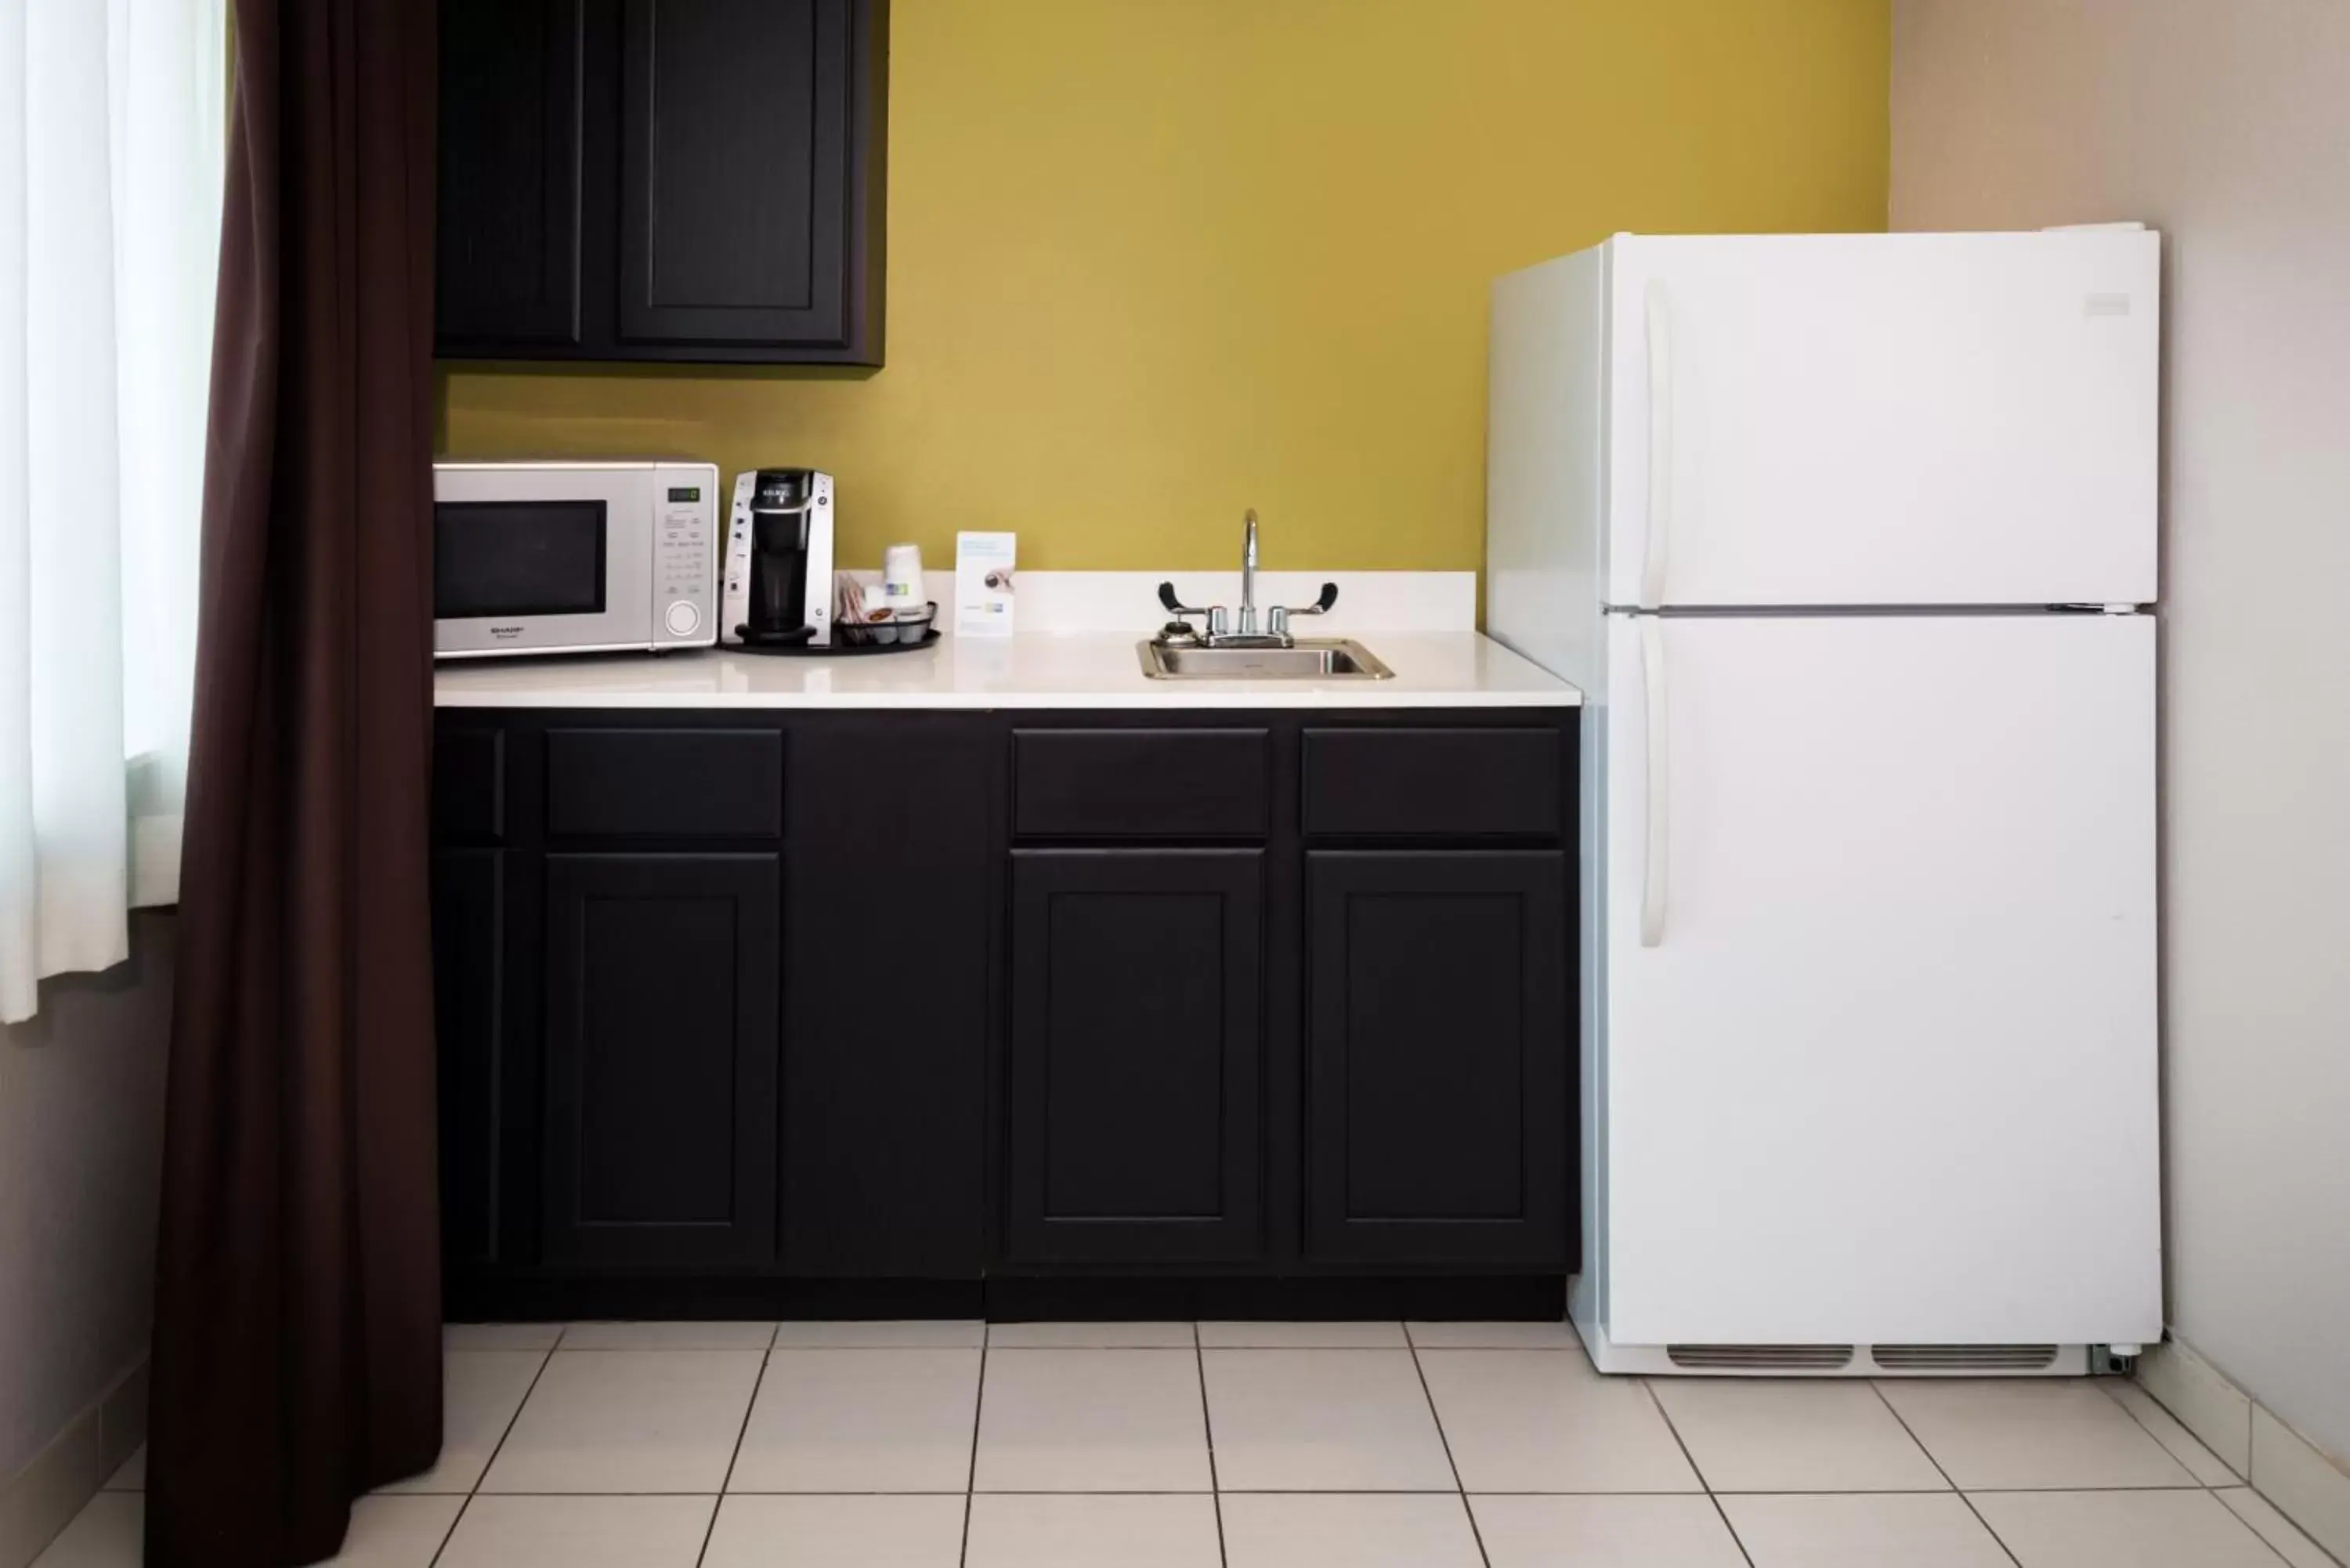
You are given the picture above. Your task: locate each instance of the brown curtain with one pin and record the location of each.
(298, 1339)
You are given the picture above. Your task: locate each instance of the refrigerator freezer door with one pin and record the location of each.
(1887, 1073)
(1882, 418)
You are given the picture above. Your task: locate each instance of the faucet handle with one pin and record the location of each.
(1175, 606)
(1214, 616)
(1280, 613)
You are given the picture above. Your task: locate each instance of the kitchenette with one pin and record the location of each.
(772, 985)
(824, 938)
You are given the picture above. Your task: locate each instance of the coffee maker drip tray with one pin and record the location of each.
(794, 640)
(902, 635)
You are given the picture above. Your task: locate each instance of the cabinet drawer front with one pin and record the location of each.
(1451, 783)
(1139, 784)
(674, 783)
(469, 778)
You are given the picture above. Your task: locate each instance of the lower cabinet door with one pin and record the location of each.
(1437, 1058)
(1133, 1127)
(469, 998)
(662, 1011)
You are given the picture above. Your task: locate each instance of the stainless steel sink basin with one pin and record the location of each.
(1310, 658)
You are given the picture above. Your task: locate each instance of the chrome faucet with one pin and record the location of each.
(1247, 627)
(1179, 633)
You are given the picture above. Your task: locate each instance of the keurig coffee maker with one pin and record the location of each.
(779, 560)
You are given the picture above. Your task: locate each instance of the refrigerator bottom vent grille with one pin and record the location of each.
(1964, 1358)
(1761, 1357)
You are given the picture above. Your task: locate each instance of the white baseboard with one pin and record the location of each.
(2306, 1486)
(43, 1498)
(2292, 1473)
(2210, 1406)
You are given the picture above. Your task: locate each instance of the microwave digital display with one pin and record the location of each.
(685, 492)
(499, 559)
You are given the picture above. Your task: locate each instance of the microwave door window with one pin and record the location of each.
(495, 559)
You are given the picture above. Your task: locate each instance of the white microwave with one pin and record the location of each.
(573, 557)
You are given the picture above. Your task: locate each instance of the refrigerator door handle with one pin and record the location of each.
(1660, 448)
(1656, 869)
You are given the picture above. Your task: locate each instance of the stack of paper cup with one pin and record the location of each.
(901, 579)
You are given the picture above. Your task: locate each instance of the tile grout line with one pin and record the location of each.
(1648, 1386)
(546, 1360)
(2289, 1522)
(1931, 1458)
(1461, 1487)
(971, 1472)
(2182, 1464)
(2243, 1483)
(1208, 1425)
(726, 1483)
(463, 1504)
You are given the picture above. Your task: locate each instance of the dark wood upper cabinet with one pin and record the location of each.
(663, 180)
(512, 105)
(1133, 1127)
(663, 976)
(1439, 1047)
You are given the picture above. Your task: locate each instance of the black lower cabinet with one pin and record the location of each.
(1438, 1059)
(663, 1013)
(469, 954)
(837, 1012)
(1131, 1125)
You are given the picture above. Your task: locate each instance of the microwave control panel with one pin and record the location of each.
(685, 555)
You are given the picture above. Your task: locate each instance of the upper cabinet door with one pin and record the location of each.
(508, 238)
(738, 123)
(1884, 420)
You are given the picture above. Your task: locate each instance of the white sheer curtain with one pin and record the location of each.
(112, 126)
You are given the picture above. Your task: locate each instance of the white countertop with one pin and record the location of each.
(1032, 670)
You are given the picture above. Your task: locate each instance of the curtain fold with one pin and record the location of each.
(297, 1340)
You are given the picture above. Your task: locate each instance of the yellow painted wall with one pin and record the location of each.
(1154, 261)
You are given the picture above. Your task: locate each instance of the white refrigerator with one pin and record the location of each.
(1850, 542)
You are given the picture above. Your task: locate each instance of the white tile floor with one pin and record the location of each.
(1225, 1445)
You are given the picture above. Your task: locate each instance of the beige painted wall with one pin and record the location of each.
(2227, 123)
(81, 1139)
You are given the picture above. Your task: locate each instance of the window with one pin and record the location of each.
(113, 120)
